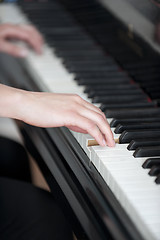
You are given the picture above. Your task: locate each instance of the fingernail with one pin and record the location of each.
(23, 53)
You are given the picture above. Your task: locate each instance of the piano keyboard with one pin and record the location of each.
(74, 63)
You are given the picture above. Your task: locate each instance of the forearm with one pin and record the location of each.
(55, 110)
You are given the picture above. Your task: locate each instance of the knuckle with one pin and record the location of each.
(101, 118)
(92, 127)
(77, 98)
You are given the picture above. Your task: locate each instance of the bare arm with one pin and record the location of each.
(48, 109)
(55, 110)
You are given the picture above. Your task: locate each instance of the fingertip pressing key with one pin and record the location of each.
(112, 143)
(95, 143)
(104, 142)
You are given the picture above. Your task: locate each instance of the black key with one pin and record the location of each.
(150, 162)
(63, 31)
(74, 44)
(147, 151)
(155, 95)
(144, 126)
(155, 170)
(84, 64)
(110, 87)
(117, 106)
(143, 64)
(103, 80)
(107, 68)
(69, 53)
(90, 61)
(128, 136)
(119, 98)
(104, 92)
(134, 144)
(73, 48)
(116, 121)
(85, 40)
(158, 179)
(133, 113)
(92, 75)
(107, 76)
(85, 57)
(77, 55)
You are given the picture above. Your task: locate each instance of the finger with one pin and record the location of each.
(97, 110)
(90, 106)
(87, 126)
(36, 41)
(93, 108)
(101, 123)
(12, 49)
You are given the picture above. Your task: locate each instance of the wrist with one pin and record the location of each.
(11, 102)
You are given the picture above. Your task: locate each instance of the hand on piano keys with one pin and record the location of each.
(26, 33)
(55, 110)
(93, 142)
(137, 192)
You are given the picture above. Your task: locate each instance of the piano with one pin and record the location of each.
(108, 52)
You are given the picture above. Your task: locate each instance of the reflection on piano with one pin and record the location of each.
(92, 50)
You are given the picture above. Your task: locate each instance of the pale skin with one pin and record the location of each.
(26, 33)
(44, 109)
